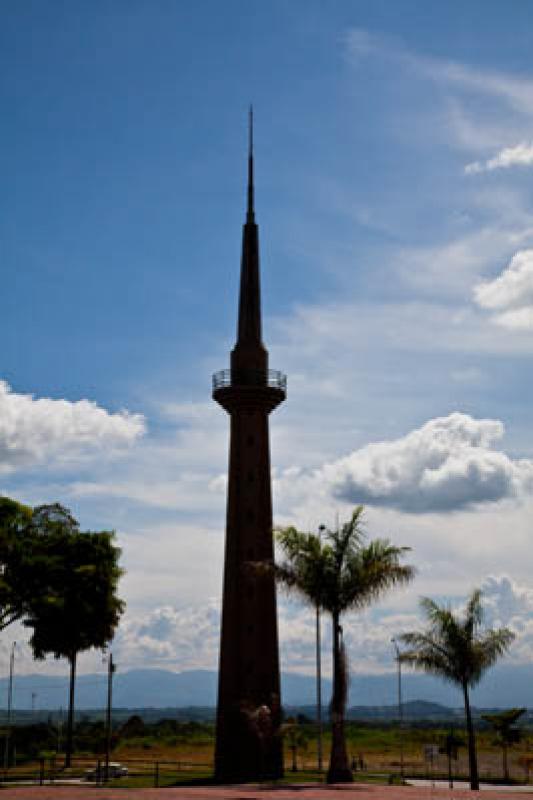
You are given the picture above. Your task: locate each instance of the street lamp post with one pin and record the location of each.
(59, 728)
(110, 670)
(400, 705)
(319, 679)
(9, 702)
(318, 691)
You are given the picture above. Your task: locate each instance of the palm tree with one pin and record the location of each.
(340, 573)
(507, 734)
(295, 737)
(457, 650)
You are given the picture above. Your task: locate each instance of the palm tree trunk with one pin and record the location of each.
(339, 770)
(472, 758)
(70, 720)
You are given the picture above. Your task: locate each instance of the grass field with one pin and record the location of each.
(372, 750)
(186, 756)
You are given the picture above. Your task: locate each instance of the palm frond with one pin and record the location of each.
(454, 647)
(487, 649)
(341, 572)
(370, 571)
(305, 565)
(474, 611)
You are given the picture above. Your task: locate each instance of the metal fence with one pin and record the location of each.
(249, 377)
(91, 771)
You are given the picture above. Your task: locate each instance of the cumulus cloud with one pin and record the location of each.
(187, 637)
(519, 155)
(36, 430)
(183, 638)
(448, 464)
(510, 295)
(510, 604)
(506, 601)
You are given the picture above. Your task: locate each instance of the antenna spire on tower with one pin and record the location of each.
(250, 210)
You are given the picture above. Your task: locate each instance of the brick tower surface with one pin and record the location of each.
(248, 713)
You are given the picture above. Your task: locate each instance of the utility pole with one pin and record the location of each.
(319, 679)
(110, 670)
(9, 701)
(59, 728)
(449, 752)
(33, 698)
(400, 704)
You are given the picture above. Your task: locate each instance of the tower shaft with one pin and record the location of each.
(248, 713)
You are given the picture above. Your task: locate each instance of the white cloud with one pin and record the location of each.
(520, 155)
(516, 92)
(509, 603)
(189, 491)
(34, 430)
(449, 267)
(504, 600)
(187, 637)
(448, 464)
(510, 295)
(184, 638)
(174, 470)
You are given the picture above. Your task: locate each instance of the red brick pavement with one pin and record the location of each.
(250, 792)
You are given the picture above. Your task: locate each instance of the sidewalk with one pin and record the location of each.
(484, 787)
(350, 791)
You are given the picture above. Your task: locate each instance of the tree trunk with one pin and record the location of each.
(505, 763)
(70, 720)
(472, 758)
(339, 770)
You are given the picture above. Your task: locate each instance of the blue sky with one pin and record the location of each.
(394, 156)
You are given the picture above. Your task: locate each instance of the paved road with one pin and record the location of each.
(357, 791)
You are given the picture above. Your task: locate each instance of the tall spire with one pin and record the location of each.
(249, 352)
(250, 210)
(249, 659)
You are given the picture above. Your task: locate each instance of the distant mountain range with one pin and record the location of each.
(505, 686)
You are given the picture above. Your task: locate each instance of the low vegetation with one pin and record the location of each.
(170, 751)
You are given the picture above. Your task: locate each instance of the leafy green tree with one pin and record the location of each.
(458, 650)
(338, 573)
(18, 571)
(134, 727)
(507, 734)
(79, 607)
(295, 737)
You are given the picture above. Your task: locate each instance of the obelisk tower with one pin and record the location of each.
(248, 714)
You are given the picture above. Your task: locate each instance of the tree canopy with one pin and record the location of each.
(19, 572)
(457, 648)
(79, 607)
(503, 724)
(340, 571)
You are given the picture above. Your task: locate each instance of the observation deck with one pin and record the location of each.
(249, 387)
